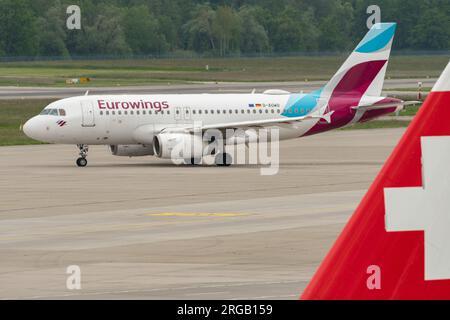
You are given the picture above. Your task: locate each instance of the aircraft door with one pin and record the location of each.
(87, 114)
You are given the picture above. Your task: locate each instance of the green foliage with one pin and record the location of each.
(18, 28)
(218, 27)
(102, 34)
(52, 35)
(294, 30)
(335, 27)
(255, 38)
(226, 29)
(142, 31)
(198, 31)
(432, 30)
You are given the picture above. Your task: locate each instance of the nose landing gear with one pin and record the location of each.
(81, 161)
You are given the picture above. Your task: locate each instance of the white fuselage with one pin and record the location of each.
(116, 119)
(135, 125)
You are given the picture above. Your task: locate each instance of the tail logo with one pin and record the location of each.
(426, 208)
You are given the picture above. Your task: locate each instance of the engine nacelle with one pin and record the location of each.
(179, 146)
(135, 150)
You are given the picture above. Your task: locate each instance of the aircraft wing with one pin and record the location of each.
(251, 124)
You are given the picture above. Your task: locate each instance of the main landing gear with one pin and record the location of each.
(223, 159)
(220, 160)
(81, 161)
(193, 161)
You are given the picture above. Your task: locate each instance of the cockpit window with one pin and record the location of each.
(53, 112)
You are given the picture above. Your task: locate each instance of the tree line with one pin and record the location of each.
(32, 28)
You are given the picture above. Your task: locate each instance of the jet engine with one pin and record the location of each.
(179, 146)
(136, 150)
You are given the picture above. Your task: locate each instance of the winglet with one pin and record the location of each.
(408, 257)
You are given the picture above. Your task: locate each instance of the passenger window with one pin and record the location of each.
(101, 113)
(254, 111)
(119, 112)
(125, 112)
(107, 113)
(138, 113)
(168, 112)
(206, 111)
(260, 111)
(131, 112)
(113, 113)
(144, 112)
(62, 112)
(267, 111)
(194, 112)
(162, 111)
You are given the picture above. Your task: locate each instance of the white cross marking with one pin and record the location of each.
(426, 208)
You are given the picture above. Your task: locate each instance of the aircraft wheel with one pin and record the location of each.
(193, 161)
(223, 160)
(82, 162)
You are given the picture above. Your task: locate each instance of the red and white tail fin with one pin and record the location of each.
(397, 243)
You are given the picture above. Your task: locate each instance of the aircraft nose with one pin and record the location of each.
(31, 129)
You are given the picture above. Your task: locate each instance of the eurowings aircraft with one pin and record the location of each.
(141, 125)
(396, 244)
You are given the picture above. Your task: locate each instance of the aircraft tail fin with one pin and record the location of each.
(364, 71)
(397, 243)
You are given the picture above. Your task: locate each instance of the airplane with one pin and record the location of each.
(396, 244)
(144, 125)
